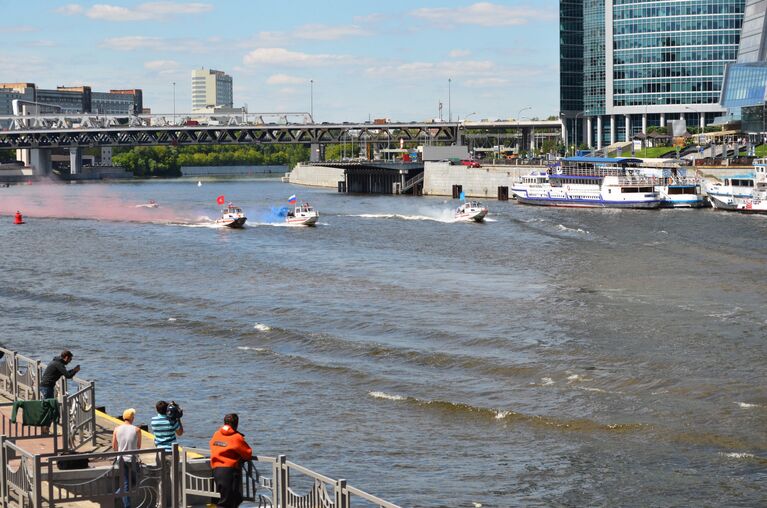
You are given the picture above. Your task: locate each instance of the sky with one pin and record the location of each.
(366, 59)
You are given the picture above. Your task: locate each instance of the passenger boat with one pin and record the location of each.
(589, 182)
(676, 188)
(742, 193)
(151, 204)
(302, 215)
(471, 211)
(232, 217)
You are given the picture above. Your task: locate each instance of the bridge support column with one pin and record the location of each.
(76, 160)
(314, 153)
(40, 160)
(663, 119)
(24, 155)
(588, 132)
(644, 123)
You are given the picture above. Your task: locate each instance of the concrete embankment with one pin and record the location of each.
(316, 176)
(439, 178)
(481, 182)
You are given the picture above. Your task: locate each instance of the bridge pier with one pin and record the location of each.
(75, 160)
(315, 155)
(40, 160)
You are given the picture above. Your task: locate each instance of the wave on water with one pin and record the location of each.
(738, 455)
(262, 327)
(256, 349)
(746, 405)
(509, 416)
(404, 217)
(562, 227)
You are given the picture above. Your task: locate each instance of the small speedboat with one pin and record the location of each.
(232, 217)
(471, 211)
(151, 204)
(302, 215)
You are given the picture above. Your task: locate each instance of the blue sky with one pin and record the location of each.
(380, 59)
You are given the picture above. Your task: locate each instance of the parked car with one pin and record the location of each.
(471, 164)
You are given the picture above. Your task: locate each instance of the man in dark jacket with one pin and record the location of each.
(54, 371)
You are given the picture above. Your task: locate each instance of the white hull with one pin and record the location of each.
(471, 211)
(303, 221)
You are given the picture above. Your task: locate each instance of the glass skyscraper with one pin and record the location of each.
(646, 62)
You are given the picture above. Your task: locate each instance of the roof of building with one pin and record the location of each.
(602, 160)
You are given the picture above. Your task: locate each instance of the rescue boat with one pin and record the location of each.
(302, 215)
(232, 217)
(471, 211)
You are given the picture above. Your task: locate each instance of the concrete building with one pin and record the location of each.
(644, 64)
(744, 93)
(72, 99)
(12, 91)
(211, 89)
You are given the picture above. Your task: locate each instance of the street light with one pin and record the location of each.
(449, 102)
(311, 99)
(519, 115)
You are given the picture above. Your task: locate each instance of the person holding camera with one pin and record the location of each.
(228, 451)
(54, 371)
(166, 424)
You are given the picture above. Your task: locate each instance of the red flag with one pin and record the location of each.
(220, 200)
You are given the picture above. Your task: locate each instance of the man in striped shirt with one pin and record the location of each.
(164, 429)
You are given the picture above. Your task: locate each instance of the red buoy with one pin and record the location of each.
(18, 219)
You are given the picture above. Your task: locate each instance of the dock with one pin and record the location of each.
(72, 461)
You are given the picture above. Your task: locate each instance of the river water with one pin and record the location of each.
(548, 357)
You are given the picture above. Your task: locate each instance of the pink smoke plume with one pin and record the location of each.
(90, 201)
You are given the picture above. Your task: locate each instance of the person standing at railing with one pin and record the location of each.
(127, 437)
(164, 428)
(228, 451)
(54, 371)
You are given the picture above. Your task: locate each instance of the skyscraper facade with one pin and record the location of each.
(648, 62)
(211, 89)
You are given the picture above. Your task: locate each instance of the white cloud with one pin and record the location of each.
(483, 14)
(459, 53)
(450, 69)
(284, 79)
(282, 56)
(487, 82)
(140, 42)
(70, 9)
(143, 12)
(328, 33)
(161, 65)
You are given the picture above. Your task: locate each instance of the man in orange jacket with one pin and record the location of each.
(228, 450)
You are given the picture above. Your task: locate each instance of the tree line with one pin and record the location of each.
(166, 161)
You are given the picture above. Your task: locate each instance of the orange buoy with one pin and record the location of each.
(18, 219)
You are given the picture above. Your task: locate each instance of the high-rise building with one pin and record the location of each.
(646, 63)
(211, 89)
(744, 93)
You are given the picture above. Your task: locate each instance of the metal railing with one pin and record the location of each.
(283, 489)
(20, 378)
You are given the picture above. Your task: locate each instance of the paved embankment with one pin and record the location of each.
(316, 176)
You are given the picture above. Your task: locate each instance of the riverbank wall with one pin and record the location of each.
(440, 178)
(316, 176)
(196, 171)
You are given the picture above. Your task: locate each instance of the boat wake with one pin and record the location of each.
(509, 416)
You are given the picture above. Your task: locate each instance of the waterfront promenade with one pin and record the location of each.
(72, 461)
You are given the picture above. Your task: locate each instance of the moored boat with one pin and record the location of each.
(302, 215)
(232, 217)
(745, 193)
(676, 188)
(471, 211)
(589, 182)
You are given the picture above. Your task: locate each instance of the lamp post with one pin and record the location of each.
(575, 127)
(519, 115)
(462, 125)
(449, 102)
(311, 99)
(174, 103)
